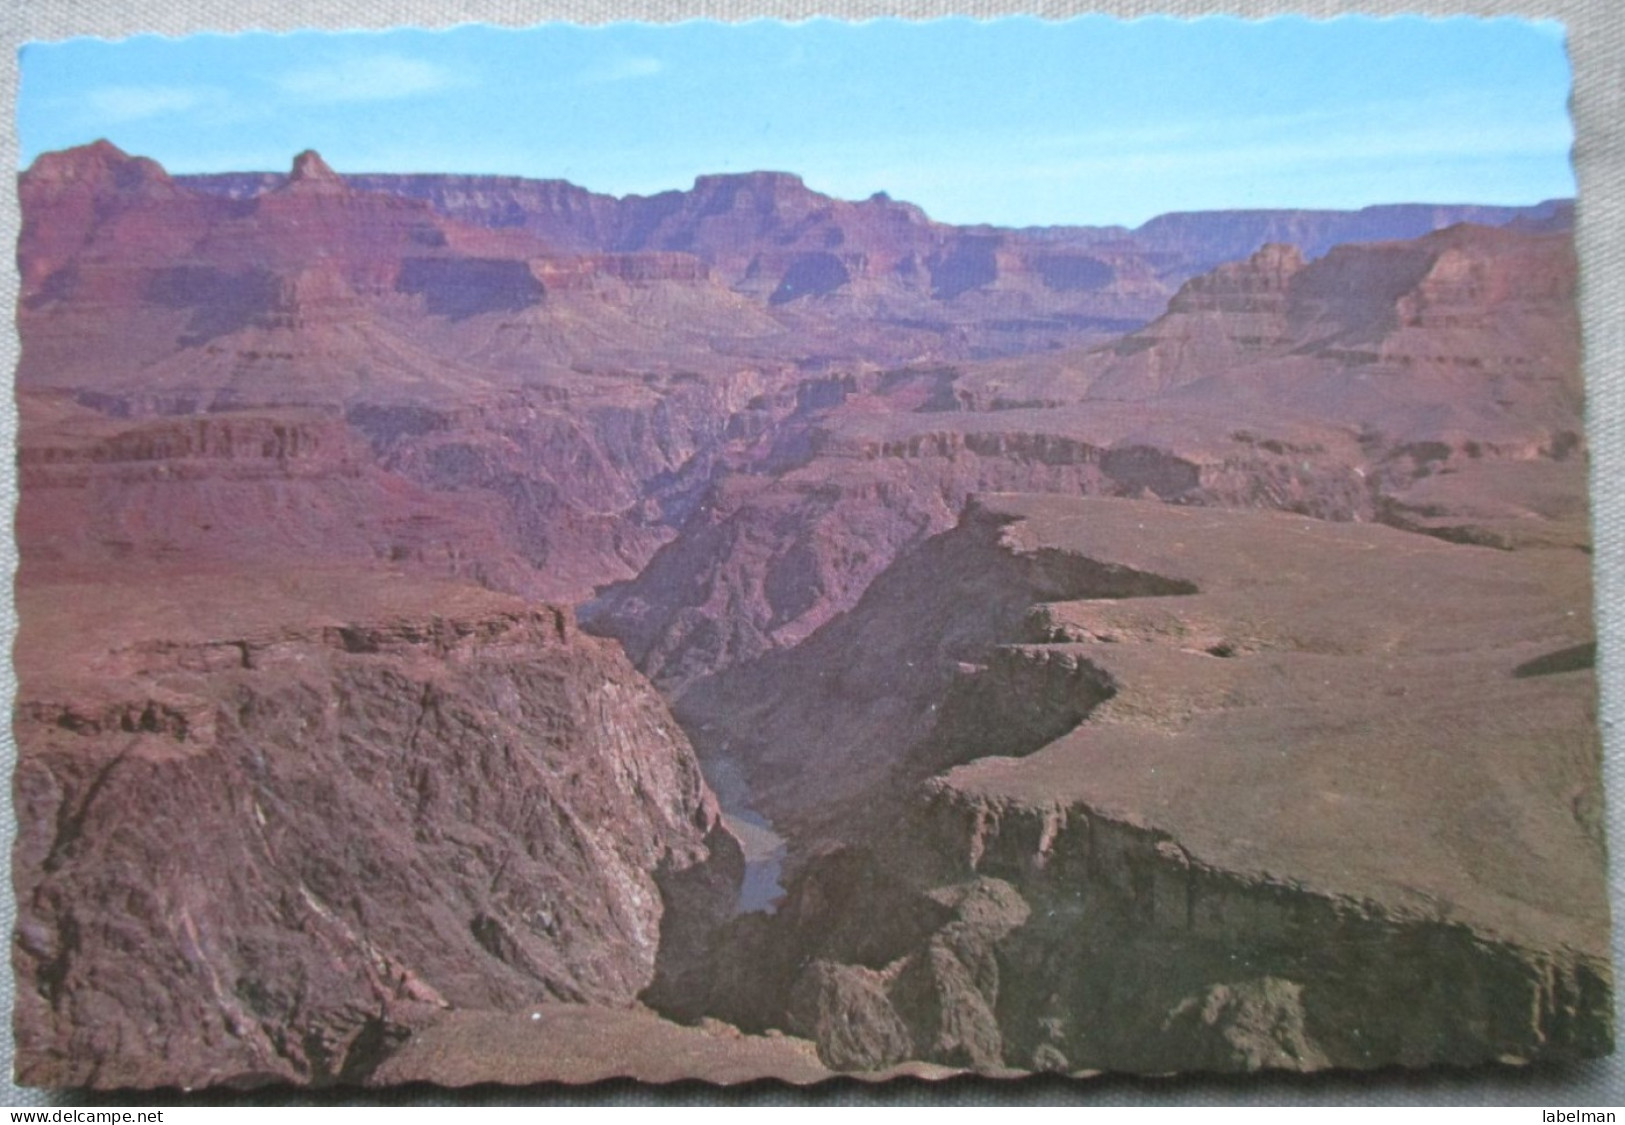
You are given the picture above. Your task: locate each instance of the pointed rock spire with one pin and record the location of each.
(1281, 258)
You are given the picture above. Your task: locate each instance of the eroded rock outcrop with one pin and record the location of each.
(1278, 799)
(259, 844)
(1373, 334)
(586, 369)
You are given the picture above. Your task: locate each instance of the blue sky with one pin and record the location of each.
(1014, 121)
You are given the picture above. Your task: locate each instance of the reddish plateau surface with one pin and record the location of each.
(479, 630)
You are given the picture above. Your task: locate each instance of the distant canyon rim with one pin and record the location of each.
(474, 629)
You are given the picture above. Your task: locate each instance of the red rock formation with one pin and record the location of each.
(312, 175)
(369, 306)
(1138, 787)
(1430, 384)
(324, 802)
(311, 290)
(214, 493)
(1465, 327)
(769, 235)
(71, 197)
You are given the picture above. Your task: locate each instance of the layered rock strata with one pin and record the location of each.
(1432, 384)
(772, 236)
(1149, 788)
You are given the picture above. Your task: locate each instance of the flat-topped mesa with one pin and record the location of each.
(1215, 237)
(726, 216)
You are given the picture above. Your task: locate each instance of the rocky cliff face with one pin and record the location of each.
(452, 401)
(1388, 335)
(766, 560)
(322, 806)
(1040, 854)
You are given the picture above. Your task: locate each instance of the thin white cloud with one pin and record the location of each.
(623, 70)
(131, 103)
(378, 78)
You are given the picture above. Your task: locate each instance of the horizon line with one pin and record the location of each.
(800, 178)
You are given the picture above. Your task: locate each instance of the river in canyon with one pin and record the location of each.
(764, 848)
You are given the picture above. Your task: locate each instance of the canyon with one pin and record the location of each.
(481, 630)
(1166, 785)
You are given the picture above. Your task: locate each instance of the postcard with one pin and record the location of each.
(783, 550)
